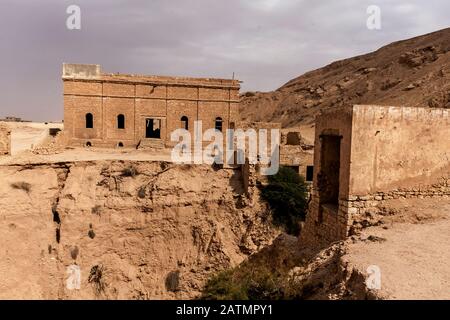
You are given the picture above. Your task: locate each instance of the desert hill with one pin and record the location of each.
(412, 72)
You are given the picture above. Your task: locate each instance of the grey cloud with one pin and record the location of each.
(265, 42)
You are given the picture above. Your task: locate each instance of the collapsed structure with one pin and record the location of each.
(367, 154)
(5, 140)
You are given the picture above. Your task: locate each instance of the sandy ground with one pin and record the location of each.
(28, 135)
(85, 154)
(414, 258)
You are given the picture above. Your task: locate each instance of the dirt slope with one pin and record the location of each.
(414, 72)
(137, 230)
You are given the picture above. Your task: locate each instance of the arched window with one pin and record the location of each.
(120, 121)
(89, 121)
(185, 122)
(218, 125)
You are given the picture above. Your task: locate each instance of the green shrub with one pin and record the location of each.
(286, 194)
(222, 287)
(244, 283)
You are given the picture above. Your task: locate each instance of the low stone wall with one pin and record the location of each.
(361, 203)
(325, 226)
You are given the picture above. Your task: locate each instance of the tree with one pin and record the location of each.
(287, 195)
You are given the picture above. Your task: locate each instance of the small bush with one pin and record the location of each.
(130, 171)
(96, 210)
(286, 194)
(142, 192)
(96, 278)
(222, 287)
(74, 251)
(173, 281)
(256, 283)
(25, 186)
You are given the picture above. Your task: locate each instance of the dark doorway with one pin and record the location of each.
(218, 124)
(328, 177)
(309, 173)
(120, 121)
(185, 122)
(153, 128)
(89, 121)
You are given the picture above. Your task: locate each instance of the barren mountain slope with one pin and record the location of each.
(412, 72)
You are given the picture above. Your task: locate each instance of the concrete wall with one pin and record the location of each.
(87, 90)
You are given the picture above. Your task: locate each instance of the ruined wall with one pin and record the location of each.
(385, 153)
(398, 147)
(166, 99)
(5, 140)
(325, 224)
(295, 152)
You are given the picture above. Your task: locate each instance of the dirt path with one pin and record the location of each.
(414, 259)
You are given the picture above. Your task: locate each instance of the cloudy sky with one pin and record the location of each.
(264, 42)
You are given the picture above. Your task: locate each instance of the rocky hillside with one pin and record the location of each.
(136, 230)
(414, 72)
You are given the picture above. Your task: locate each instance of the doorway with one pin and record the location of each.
(153, 128)
(328, 177)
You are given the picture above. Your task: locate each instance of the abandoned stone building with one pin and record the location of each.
(367, 154)
(117, 110)
(5, 140)
(295, 153)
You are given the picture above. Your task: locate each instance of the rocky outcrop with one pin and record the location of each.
(412, 72)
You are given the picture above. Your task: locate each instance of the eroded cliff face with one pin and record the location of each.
(136, 230)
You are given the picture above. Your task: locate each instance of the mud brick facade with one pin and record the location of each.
(5, 140)
(296, 154)
(114, 110)
(365, 155)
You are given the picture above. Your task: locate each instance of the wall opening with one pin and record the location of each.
(88, 144)
(89, 121)
(328, 177)
(153, 128)
(218, 124)
(54, 131)
(293, 139)
(120, 144)
(120, 121)
(309, 173)
(185, 122)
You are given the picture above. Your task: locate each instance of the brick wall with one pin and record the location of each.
(105, 96)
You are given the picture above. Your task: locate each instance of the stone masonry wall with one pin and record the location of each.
(167, 99)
